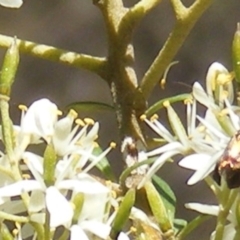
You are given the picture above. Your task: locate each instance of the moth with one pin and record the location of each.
(229, 164)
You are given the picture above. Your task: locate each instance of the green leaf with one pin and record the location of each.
(88, 106)
(159, 105)
(167, 195)
(104, 165)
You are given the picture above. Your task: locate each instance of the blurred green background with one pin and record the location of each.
(77, 25)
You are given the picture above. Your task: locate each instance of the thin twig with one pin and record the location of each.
(182, 28)
(90, 63)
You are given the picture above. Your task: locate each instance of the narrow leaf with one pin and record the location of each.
(159, 105)
(158, 208)
(167, 195)
(89, 106)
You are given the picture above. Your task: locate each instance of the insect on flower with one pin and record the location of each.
(229, 164)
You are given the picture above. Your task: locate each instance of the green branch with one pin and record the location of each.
(185, 20)
(135, 14)
(90, 63)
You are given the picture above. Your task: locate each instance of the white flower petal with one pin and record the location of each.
(97, 228)
(77, 233)
(201, 96)
(20, 187)
(39, 119)
(156, 165)
(203, 208)
(37, 201)
(212, 129)
(205, 169)
(61, 211)
(159, 128)
(168, 147)
(85, 183)
(195, 161)
(123, 236)
(11, 3)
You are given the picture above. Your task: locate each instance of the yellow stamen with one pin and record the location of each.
(224, 78)
(201, 129)
(143, 117)
(26, 176)
(188, 101)
(113, 145)
(223, 113)
(154, 117)
(23, 107)
(163, 83)
(15, 232)
(89, 121)
(59, 113)
(133, 229)
(73, 113)
(166, 104)
(80, 122)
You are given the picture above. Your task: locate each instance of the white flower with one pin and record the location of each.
(37, 122)
(184, 141)
(67, 139)
(40, 121)
(221, 122)
(11, 3)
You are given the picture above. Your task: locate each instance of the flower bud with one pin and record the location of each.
(236, 53)
(9, 68)
(49, 165)
(123, 212)
(78, 201)
(158, 208)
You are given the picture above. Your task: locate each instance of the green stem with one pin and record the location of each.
(39, 230)
(186, 18)
(159, 105)
(13, 218)
(7, 129)
(90, 63)
(127, 97)
(47, 232)
(226, 202)
(192, 225)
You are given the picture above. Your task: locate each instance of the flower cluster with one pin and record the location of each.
(203, 142)
(205, 138)
(54, 188)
